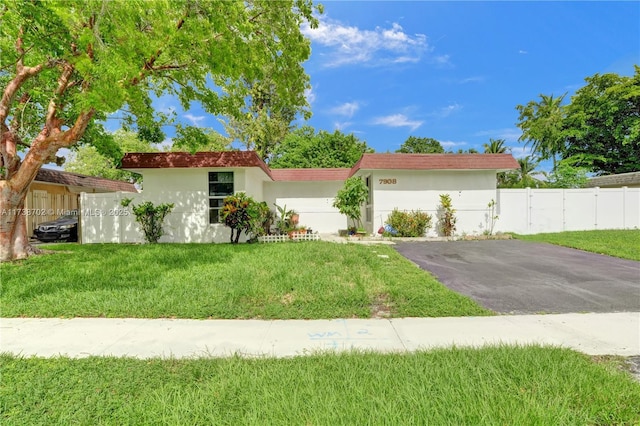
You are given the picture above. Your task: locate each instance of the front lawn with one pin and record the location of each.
(271, 281)
(491, 386)
(624, 243)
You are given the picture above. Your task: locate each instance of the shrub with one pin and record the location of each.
(150, 218)
(350, 199)
(236, 214)
(409, 224)
(447, 216)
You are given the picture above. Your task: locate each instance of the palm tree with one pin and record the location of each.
(495, 146)
(527, 171)
(542, 125)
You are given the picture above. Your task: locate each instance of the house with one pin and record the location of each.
(53, 192)
(630, 180)
(198, 183)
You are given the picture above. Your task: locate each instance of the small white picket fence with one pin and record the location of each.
(285, 238)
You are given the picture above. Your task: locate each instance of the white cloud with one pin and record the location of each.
(347, 109)
(194, 119)
(449, 109)
(397, 120)
(451, 144)
(522, 52)
(310, 95)
(351, 45)
(341, 125)
(474, 79)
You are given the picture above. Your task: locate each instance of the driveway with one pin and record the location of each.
(520, 277)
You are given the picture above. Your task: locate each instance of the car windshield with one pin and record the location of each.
(68, 216)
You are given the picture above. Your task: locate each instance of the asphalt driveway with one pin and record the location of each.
(520, 277)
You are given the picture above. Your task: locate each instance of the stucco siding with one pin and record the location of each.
(470, 191)
(313, 200)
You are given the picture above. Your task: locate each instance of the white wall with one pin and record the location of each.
(188, 222)
(470, 191)
(313, 200)
(532, 211)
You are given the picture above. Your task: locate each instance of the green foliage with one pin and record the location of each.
(415, 145)
(193, 139)
(87, 160)
(95, 58)
(495, 146)
(523, 177)
(621, 243)
(599, 129)
(266, 121)
(495, 385)
(285, 223)
(409, 224)
(307, 280)
(150, 218)
(350, 199)
(492, 217)
(239, 211)
(542, 124)
(603, 124)
(566, 175)
(304, 148)
(446, 216)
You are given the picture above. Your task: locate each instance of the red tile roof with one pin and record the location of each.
(310, 174)
(158, 160)
(499, 162)
(75, 179)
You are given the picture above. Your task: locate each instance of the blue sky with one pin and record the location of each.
(453, 71)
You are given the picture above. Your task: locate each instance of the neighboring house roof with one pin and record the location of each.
(500, 162)
(619, 180)
(75, 179)
(160, 160)
(310, 174)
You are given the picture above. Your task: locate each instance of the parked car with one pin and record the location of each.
(64, 228)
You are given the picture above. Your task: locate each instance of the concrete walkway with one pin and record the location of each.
(594, 334)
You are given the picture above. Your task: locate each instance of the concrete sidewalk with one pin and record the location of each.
(594, 334)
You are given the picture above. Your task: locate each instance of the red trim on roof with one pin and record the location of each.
(297, 175)
(159, 160)
(436, 162)
(76, 179)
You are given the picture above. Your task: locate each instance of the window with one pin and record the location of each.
(220, 186)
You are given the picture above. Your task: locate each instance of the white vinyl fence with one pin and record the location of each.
(524, 211)
(532, 211)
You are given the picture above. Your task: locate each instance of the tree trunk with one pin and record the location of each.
(14, 237)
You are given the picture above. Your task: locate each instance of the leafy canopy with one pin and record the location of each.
(304, 148)
(415, 145)
(64, 67)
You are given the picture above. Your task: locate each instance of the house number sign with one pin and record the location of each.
(388, 181)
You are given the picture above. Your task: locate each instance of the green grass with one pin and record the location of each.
(500, 385)
(619, 243)
(295, 280)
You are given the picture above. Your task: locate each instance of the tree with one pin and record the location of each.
(542, 125)
(350, 198)
(64, 69)
(304, 148)
(265, 122)
(414, 145)
(567, 175)
(603, 124)
(87, 160)
(522, 178)
(192, 139)
(495, 146)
